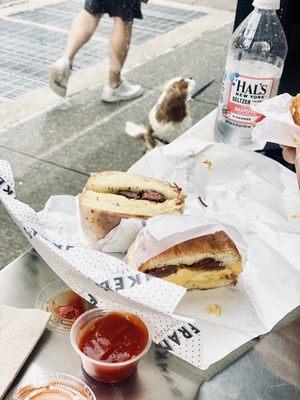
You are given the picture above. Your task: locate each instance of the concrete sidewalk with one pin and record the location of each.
(53, 145)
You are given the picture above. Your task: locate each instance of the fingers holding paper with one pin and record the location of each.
(292, 156)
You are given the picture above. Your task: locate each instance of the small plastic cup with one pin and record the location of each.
(103, 371)
(54, 385)
(63, 304)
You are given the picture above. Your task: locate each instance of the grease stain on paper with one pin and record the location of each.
(214, 309)
(208, 164)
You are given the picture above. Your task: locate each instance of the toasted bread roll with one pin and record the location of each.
(205, 262)
(113, 195)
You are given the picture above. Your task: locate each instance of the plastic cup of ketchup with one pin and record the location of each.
(110, 343)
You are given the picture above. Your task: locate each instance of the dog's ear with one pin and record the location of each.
(173, 107)
(182, 85)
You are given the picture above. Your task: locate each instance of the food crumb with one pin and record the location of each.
(214, 309)
(294, 216)
(208, 164)
(202, 202)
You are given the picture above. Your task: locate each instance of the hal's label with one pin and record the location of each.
(238, 92)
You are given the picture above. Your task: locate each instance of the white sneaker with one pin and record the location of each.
(59, 76)
(125, 91)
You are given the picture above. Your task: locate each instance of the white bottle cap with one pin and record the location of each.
(267, 4)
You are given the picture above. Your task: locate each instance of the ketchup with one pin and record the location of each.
(73, 306)
(115, 337)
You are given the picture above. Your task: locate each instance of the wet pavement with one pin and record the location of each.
(52, 152)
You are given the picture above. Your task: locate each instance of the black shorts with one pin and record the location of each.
(125, 9)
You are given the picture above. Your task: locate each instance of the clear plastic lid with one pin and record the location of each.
(52, 386)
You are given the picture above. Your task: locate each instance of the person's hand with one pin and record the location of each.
(292, 156)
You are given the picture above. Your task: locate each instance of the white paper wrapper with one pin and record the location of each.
(261, 199)
(61, 216)
(163, 232)
(243, 189)
(278, 125)
(100, 278)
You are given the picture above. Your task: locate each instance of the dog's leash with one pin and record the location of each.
(201, 90)
(161, 140)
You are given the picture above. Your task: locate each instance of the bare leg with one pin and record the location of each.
(118, 48)
(82, 29)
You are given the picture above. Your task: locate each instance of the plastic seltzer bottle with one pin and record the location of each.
(255, 60)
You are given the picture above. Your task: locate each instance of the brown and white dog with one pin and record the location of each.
(170, 116)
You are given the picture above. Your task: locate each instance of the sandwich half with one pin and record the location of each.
(111, 196)
(205, 262)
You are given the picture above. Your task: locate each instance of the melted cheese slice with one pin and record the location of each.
(190, 278)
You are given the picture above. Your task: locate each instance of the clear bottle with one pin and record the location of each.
(255, 60)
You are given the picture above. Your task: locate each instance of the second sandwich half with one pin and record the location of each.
(110, 196)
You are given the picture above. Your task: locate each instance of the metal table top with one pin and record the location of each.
(267, 369)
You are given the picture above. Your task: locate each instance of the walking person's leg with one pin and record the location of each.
(119, 88)
(82, 29)
(118, 49)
